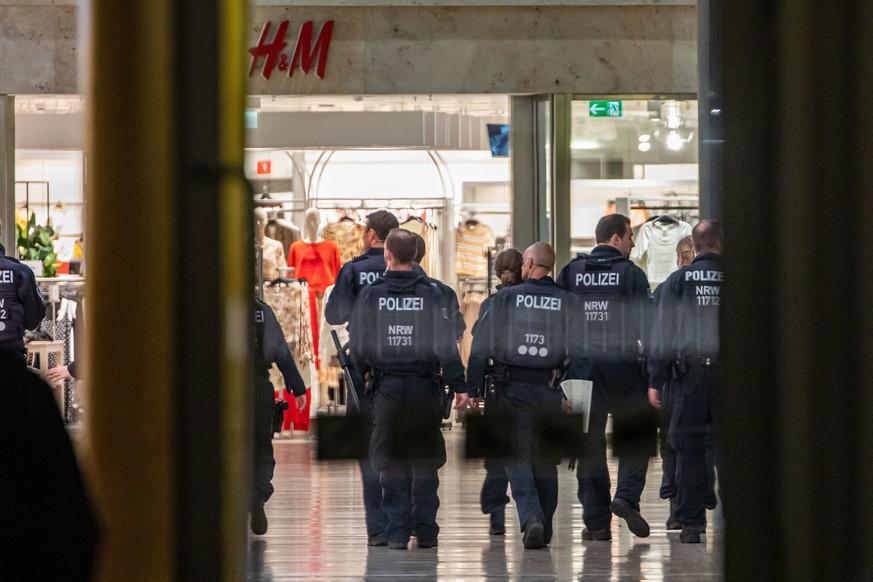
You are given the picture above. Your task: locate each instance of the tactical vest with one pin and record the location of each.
(612, 315)
(405, 325)
(366, 270)
(701, 293)
(535, 324)
(11, 308)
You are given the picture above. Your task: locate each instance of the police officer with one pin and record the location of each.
(270, 347)
(685, 344)
(493, 498)
(21, 306)
(354, 276)
(616, 306)
(452, 305)
(528, 332)
(401, 331)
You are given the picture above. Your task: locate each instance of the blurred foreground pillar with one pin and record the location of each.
(798, 316)
(169, 288)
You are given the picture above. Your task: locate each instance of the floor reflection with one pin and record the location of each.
(317, 532)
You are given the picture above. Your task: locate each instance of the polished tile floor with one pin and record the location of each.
(317, 532)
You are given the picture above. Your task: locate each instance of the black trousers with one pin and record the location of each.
(620, 389)
(533, 477)
(374, 517)
(407, 448)
(264, 462)
(695, 415)
(493, 495)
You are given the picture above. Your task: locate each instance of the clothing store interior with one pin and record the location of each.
(319, 165)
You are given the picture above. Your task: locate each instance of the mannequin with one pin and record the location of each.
(311, 222)
(260, 225)
(318, 261)
(274, 254)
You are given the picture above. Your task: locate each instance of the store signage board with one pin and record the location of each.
(310, 49)
(604, 108)
(264, 167)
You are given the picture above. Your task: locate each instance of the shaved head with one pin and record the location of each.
(707, 237)
(537, 258)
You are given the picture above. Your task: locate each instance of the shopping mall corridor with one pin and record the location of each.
(317, 532)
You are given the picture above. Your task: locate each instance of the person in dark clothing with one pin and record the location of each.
(493, 498)
(529, 333)
(402, 334)
(685, 344)
(354, 276)
(270, 347)
(663, 400)
(21, 305)
(452, 305)
(615, 311)
(48, 525)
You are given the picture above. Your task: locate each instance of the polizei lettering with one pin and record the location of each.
(401, 303)
(538, 302)
(704, 276)
(597, 279)
(367, 277)
(6, 277)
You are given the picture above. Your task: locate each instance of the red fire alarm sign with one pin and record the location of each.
(264, 167)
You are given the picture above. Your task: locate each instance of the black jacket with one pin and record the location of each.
(21, 305)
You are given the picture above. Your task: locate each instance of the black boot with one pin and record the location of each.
(498, 519)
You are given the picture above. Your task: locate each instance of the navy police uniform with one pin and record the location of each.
(492, 498)
(685, 344)
(354, 276)
(21, 306)
(270, 347)
(401, 331)
(528, 331)
(614, 305)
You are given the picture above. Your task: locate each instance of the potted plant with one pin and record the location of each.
(35, 244)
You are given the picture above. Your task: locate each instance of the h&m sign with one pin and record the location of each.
(310, 49)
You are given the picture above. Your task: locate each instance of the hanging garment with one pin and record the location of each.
(317, 262)
(61, 330)
(470, 304)
(472, 240)
(274, 257)
(655, 250)
(426, 231)
(291, 304)
(284, 232)
(348, 236)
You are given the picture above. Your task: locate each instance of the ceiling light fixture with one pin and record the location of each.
(645, 137)
(645, 146)
(674, 142)
(584, 144)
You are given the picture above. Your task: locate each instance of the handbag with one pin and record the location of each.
(279, 415)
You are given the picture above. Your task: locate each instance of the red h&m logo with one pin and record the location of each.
(306, 51)
(264, 167)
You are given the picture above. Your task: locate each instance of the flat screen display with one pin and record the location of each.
(498, 136)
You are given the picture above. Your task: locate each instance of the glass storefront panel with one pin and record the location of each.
(637, 157)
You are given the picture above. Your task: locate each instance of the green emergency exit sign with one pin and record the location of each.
(604, 108)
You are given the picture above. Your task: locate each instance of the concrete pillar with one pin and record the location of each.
(7, 174)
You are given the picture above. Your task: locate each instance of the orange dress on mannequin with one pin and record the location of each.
(319, 264)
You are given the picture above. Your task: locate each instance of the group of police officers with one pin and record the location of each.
(595, 321)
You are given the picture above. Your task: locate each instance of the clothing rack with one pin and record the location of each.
(623, 203)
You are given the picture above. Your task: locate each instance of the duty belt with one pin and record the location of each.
(527, 375)
(700, 361)
(426, 372)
